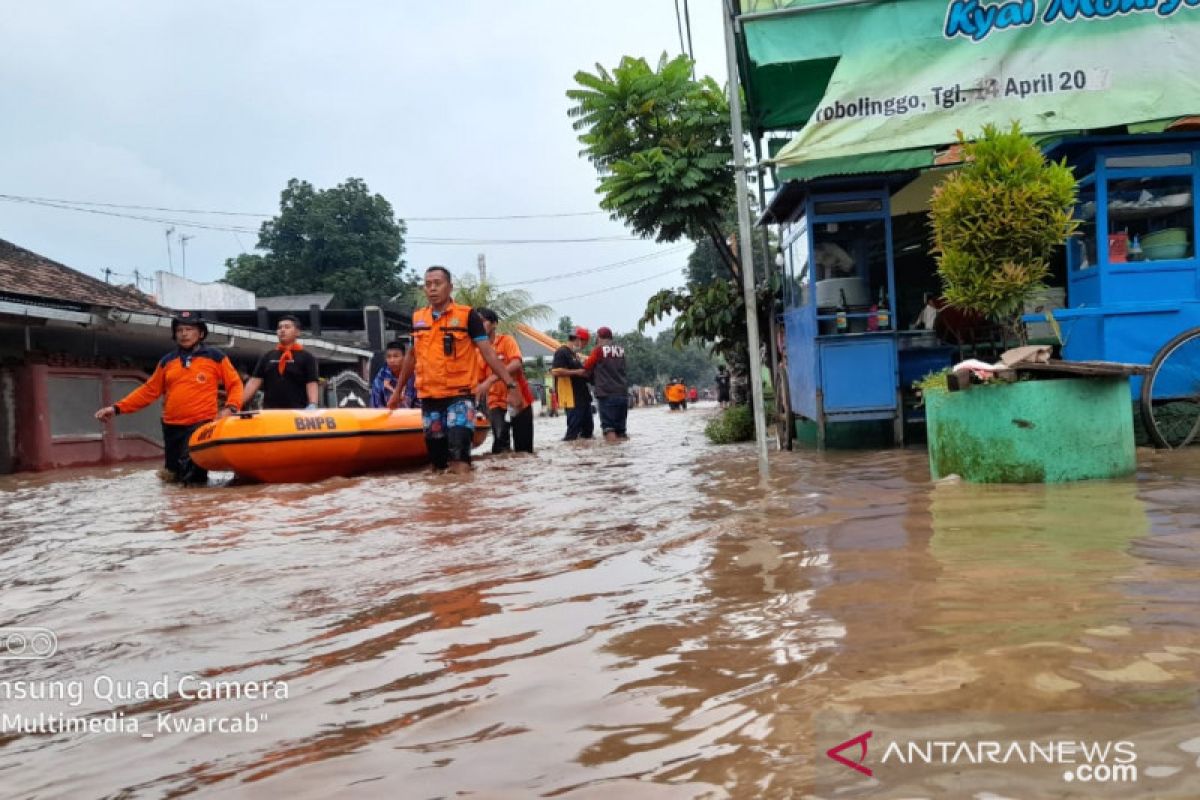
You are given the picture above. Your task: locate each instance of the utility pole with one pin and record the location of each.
(107, 275)
(170, 258)
(183, 240)
(746, 256)
(481, 260)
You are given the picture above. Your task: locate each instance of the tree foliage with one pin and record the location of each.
(564, 329)
(652, 362)
(662, 146)
(997, 222)
(343, 240)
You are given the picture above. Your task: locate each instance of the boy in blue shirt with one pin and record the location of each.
(385, 380)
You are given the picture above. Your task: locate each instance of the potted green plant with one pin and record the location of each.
(997, 222)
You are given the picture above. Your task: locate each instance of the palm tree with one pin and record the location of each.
(513, 306)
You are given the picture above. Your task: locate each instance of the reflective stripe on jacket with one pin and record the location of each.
(188, 382)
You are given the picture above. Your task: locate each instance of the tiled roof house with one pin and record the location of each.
(29, 277)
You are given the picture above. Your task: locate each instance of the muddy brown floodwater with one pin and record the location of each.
(641, 620)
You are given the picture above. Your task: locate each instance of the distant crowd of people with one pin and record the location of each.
(458, 362)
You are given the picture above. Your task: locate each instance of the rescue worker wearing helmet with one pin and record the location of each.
(187, 379)
(447, 337)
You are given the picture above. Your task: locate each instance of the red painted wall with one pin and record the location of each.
(39, 449)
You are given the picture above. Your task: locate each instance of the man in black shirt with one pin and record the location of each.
(287, 374)
(571, 383)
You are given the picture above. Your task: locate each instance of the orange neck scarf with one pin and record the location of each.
(287, 350)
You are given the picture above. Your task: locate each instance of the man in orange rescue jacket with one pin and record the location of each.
(446, 338)
(187, 379)
(512, 428)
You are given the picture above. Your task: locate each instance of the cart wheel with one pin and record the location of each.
(1171, 392)
(785, 418)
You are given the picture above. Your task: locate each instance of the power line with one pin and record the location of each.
(687, 18)
(622, 286)
(243, 229)
(505, 216)
(456, 241)
(140, 217)
(601, 268)
(553, 215)
(679, 24)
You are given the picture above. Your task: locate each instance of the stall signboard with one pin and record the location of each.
(910, 74)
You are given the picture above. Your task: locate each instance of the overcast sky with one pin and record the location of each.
(447, 110)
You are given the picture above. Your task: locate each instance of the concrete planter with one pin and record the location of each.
(1046, 431)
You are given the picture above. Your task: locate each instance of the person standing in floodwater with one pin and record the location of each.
(287, 374)
(187, 379)
(570, 380)
(676, 394)
(723, 387)
(447, 337)
(512, 428)
(606, 367)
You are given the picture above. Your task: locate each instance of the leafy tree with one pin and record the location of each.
(513, 306)
(651, 362)
(661, 143)
(564, 330)
(343, 240)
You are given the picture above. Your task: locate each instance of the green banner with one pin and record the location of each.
(910, 74)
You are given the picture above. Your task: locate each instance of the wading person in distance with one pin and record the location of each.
(723, 387)
(606, 367)
(512, 428)
(570, 380)
(187, 379)
(447, 337)
(287, 374)
(385, 380)
(676, 394)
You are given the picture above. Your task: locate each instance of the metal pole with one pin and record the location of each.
(768, 267)
(745, 252)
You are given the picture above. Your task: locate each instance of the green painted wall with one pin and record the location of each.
(1046, 431)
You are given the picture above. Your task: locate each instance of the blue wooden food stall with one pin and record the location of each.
(856, 105)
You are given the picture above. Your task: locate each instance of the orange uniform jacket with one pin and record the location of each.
(445, 354)
(676, 393)
(507, 349)
(189, 383)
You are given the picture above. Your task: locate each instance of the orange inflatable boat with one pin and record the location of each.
(304, 446)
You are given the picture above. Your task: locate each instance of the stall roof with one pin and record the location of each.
(866, 77)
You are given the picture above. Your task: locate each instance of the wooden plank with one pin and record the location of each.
(1086, 368)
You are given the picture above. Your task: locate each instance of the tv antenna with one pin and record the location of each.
(170, 259)
(183, 240)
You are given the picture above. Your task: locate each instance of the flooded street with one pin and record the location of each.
(639, 620)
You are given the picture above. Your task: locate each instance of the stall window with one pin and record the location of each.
(797, 260)
(856, 206)
(1150, 219)
(850, 263)
(1147, 161)
(1084, 242)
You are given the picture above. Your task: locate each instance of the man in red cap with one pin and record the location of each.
(570, 380)
(606, 367)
